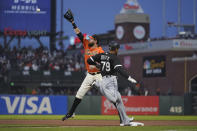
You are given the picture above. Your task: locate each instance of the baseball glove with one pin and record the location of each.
(69, 15)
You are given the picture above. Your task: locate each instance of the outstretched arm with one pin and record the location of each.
(123, 73)
(69, 16)
(77, 31)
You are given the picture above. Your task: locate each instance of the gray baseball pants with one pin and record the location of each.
(108, 87)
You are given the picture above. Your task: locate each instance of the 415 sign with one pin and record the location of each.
(176, 109)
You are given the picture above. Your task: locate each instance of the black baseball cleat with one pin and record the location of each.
(67, 116)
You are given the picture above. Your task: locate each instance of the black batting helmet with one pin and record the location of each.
(113, 45)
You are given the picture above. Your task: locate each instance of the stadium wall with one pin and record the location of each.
(90, 105)
(94, 105)
(174, 78)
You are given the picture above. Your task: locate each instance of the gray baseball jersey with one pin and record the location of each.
(109, 67)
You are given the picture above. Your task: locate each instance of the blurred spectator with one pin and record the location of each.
(39, 59)
(34, 92)
(35, 66)
(146, 92)
(128, 91)
(27, 66)
(158, 91)
(77, 66)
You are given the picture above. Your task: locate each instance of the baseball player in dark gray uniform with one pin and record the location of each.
(110, 65)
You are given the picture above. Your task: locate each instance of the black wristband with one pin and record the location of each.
(74, 25)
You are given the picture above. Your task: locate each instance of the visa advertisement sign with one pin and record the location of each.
(29, 104)
(134, 105)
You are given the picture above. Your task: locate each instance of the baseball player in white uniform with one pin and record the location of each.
(90, 44)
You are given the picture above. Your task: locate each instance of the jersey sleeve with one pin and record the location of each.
(122, 72)
(116, 62)
(93, 60)
(119, 68)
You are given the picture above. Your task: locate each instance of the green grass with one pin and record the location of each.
(94, 117)
(145, 128)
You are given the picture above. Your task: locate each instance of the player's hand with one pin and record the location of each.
(69, 16)
(132, 80)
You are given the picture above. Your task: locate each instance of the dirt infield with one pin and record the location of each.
(93, 123)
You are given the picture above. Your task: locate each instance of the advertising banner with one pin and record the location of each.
(21, 17)
(134, 105)
(30, 104)
(184, 44)
(154, 66)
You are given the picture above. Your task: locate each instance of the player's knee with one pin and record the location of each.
(112, 100)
